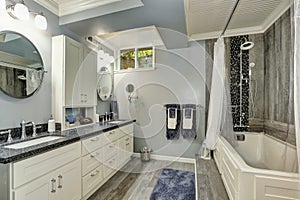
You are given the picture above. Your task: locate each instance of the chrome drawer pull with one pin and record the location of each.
(95, 140)
(127, 139)
(94, 174)
(60, 181)
(53, 185)
(96, 154)
(127, 144)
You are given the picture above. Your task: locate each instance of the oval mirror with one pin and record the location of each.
(21, 65)
(104, 86)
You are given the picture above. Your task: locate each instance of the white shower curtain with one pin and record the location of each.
(216, 110)
(297, 76)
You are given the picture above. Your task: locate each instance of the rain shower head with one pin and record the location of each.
(247, 45)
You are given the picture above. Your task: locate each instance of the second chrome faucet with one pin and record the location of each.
(23, 129)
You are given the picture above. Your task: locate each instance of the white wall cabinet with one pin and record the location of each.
(74, 78)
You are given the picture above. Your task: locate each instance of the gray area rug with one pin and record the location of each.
(174, 185)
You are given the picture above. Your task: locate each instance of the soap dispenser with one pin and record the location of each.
(51, 125)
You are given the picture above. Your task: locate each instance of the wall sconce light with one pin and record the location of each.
(40, 21)
(18, 10)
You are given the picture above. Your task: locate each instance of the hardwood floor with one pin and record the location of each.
(136, 180)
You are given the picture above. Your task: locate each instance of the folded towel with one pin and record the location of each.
(173, 118)
(189, 121)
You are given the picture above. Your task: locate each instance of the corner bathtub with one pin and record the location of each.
(261, 167)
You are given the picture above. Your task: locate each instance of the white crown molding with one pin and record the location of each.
(51, 5)
(276, 14)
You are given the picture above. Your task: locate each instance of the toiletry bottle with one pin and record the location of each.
(51, 125)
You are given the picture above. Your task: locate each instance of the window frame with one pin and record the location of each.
(118, 69)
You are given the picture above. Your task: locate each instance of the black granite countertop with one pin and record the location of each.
(8, 155)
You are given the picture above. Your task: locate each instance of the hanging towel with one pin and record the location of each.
(173, 119)
(114, 108)
(189, 121)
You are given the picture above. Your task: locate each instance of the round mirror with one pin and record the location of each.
(130, 88)
(21, 65)
(104, 86)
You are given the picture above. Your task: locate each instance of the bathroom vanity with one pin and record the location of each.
(72, 166)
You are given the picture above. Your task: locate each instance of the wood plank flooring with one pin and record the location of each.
(136, 180)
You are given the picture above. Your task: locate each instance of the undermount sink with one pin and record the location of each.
(29, 143)
(115, 122)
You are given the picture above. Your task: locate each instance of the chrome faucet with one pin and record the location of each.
(23, 129)
(9, 138)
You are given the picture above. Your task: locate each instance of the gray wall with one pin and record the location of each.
(37, 107)
(179, 77)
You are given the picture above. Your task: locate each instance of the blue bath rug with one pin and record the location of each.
(174, 185)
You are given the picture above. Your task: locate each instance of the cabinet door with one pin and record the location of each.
(69, 181)
(88, 77)
(42, 188)
(73, 62)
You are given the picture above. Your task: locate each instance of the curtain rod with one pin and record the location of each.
(229, 18)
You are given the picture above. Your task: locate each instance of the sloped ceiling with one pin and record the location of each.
(206, 18)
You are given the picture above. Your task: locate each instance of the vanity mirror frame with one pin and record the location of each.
(105, 72)
(20, 66)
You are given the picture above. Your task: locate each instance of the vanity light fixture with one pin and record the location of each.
(18, 11)
(40, 21)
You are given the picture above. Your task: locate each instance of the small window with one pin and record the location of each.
(127, 59)
(136, 58)
(145, 57)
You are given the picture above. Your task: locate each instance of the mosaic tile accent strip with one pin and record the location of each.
(239, 83)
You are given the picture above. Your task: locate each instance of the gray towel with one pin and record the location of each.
(114, 108)
(173, 134)
(189, 133)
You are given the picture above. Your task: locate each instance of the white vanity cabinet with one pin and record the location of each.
(51, 175)
(74, 79)
(103, 155)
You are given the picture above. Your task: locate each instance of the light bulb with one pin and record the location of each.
(111, 59)
(40, 22)
(101, 53)
(2, 4)
(20, 11)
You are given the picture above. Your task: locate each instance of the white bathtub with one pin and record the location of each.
(261, 167)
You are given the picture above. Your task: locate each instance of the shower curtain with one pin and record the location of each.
(297, 75)
(217, 108)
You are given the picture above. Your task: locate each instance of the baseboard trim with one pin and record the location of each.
(169, 158)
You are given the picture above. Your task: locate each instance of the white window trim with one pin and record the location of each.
(136, 69)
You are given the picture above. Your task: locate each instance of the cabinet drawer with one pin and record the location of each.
(112, 135)
(110, 166)
(126, 130)
(110, 151)
(92, 180)
(91, 144)
(91, 161)
(31, 168)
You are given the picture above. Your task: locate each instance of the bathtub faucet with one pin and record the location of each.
(239, 137)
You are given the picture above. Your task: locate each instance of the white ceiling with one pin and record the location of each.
(67, 7)
(206, 19)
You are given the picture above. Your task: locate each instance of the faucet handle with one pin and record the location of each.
(9, 138)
